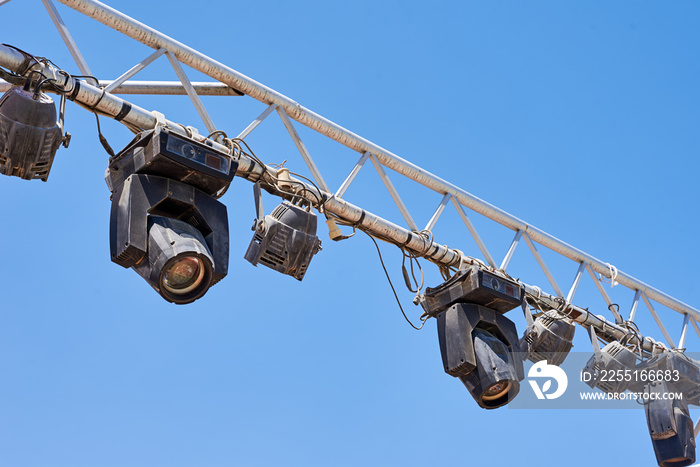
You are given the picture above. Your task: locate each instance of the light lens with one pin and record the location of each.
(496, 391)
(183, 275)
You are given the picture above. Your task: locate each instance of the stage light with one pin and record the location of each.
(285, 240)
(29, 133)
(670, 426)
(613, 358)
(165, 222)
(549, 337)
(179, 264)
(677, 368)
(478, 344)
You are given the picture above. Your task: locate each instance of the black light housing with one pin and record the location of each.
(285, 240)
(29, 133)
(478, 344)
(179, 264)
(612, 358)
(684, 370)
(670, 426)
(548, 338)
(165, 222)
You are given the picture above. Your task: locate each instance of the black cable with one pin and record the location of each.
(103, 140)
(37, 87)
(322, 201)
(320, 198)
(97, 81)
(12, 78)
(392, 286)
(412, 257)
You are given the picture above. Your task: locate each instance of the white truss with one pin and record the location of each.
(230, 82)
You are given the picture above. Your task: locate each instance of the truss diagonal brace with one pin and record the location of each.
(438, 212)
(542, 264)
(135, 69)
(684, 332)
(254, 124)
(475, 234)
(353, 173)
(67, 38)
(394, 194)
(302, 150)
(511, 250)
(192, 93)
(577, 281)
(658, 321)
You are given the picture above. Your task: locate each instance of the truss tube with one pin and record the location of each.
(155, 88)
(152, 38)
(171, 88)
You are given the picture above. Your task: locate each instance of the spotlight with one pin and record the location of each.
(670, 426)
(477, 342)
(477, 345)
(612, 358)
(165, 222)
(179, 264)
(29, 133)
(284, 240)
(549, 337)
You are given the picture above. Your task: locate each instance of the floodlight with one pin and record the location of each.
(29, 133)
(478, 343)
(612, 358)
(670, 426)
(285, 240)
(681, 370)
(165, 222)
(549, 337)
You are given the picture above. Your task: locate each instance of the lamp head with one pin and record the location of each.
(29, 134)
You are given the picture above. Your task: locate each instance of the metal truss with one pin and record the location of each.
(101, 96)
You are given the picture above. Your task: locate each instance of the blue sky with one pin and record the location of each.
(579, 118)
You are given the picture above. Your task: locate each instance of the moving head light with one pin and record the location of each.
(165, 221)
(678, 369)
(478, 344)
(670, 426)
(29, 133)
